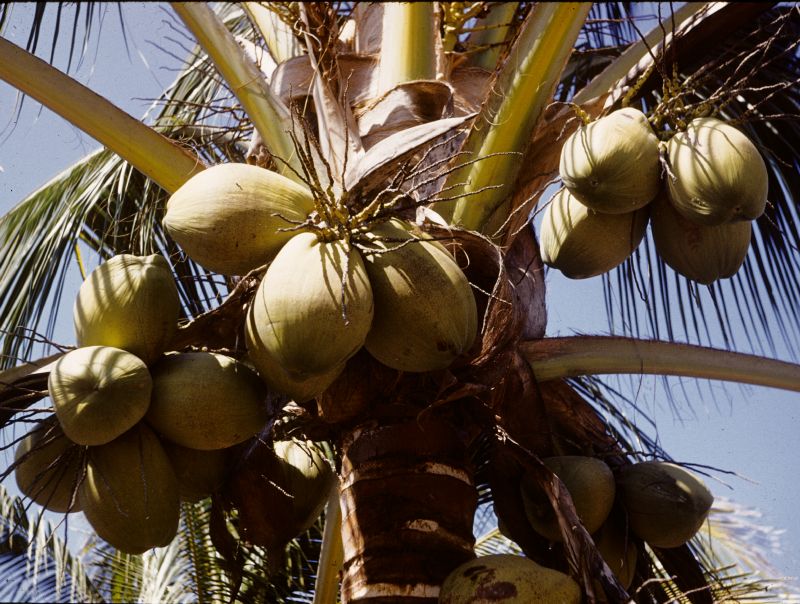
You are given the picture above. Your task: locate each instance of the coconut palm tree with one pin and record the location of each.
(450, 115)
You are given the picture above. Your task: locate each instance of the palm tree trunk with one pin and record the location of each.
(408, 501)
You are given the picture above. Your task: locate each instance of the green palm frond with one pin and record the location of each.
(35, 562)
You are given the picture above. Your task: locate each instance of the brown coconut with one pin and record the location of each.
(231, 217)
(718, 175)
(701, 253)
(619, 552)
(590, 483)
(204, 400)
(130, 494)
(128, 302)
(612, 164)
(508, 579)
(425, 312)
(99, 392)
(666, 504)
(312, 310)
(199, 473)
(582, 243)
(49, 467)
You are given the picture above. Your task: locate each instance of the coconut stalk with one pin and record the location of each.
(491, 32)
(326, 587)
(277, 35)
(553, 358)
(153, 154)
(269, 115)
(408, 49)
(524, 85)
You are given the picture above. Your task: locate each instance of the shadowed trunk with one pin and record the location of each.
(408, 501)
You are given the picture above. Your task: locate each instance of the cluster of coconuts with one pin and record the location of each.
(136, 430)
(398, 293)
(701, 211)
(665, 505)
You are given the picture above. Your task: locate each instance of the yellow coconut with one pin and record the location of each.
(666, 504)
(230, 217)
(130, 493)
(611, 165)
(199, 473)
(582, 243)
(48, 467)
(590, 484)
(718, 175)
(128, 302)
(308, 478)
(508, 579)
(313, 308)
(204, 400)
(275, 376)
(701, 253)
(425, 312)
(99, 392)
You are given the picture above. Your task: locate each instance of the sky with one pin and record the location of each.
(749, 430)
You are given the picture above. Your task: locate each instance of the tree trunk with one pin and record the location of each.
(408, 502)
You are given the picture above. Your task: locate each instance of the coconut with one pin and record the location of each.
(199, 473)
(582, 243)
(701, 253)
(99, 392)
(128, 302)
(612, 165)
(425, 314)
(619, 553)
(275, 376)
(130, 494)
(666, 504)
(204, 400)
(718, 175)
(590, 484)
(313, 308)
(48, 467)
(307, 478)
(231, 218)
(508, 579)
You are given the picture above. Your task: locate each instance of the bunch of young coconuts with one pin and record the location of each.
(138, 427)
(714, 185)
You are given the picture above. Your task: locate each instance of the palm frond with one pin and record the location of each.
(35, 562)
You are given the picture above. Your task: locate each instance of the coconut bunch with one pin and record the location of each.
(716, 187)
(701, 216)
(136, 430)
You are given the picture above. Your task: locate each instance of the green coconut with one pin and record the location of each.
(618, 552)
(128, 302)
(307, 477)
(204, 400)
(582, 243)
(48, 467)
(425, 312)
(312, 310)
(231, 218)
(718, 175)
(590, 484)
(275, 376)
(99, 392)
(666, 504)
(130, 493)
(612, 164)
(199, 473)
(701, 253)
(508, 579)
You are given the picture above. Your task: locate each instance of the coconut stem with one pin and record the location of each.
(553, 358)
(331, 557)
(408, 46)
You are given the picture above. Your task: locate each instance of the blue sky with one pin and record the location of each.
(752, 431)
